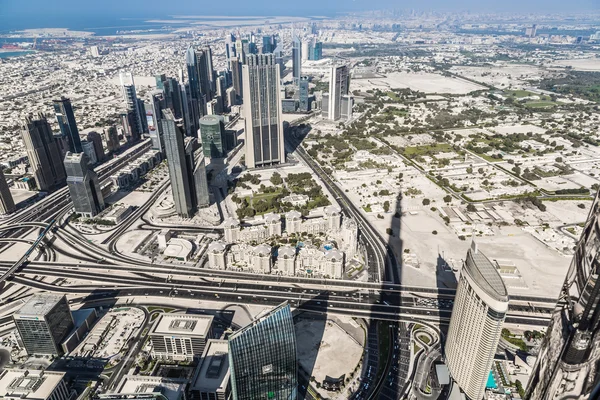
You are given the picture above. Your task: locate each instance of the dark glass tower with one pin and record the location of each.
(303, 94)
(84, 186)
(236, 77)
(569, 360)
(67, 124)
(212, 130)
(296, 59)
(263, 358)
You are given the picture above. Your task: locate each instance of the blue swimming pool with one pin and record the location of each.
(491, 382)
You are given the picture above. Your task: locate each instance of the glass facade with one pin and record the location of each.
(263, 359)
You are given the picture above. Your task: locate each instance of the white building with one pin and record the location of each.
(313, 261)
(211, 379)
(163, 238)
(232, 230)
(216, 255)
(148, 387)
(262, 261)
(480, 306)
(330, 223)
(23, 384)
(180, 337)
(350, 237)
(286, 260)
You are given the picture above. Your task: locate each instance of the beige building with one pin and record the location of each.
(23, 384)
(180, 337)
(216, 255)
(480, 306)
(211, 379)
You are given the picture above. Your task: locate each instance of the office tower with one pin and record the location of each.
(129, 124)
(160, 79)
(43, 322)
(179, 172)
(317, 51)
(262, 357)
(346, 107)
(246, 50)
(196, 97)
(480, 306)
(303, 94)
(133, 105)
(173, 97)
(187, 108)
(84, 186)
(67, 124)
(240, 53)
(201, 194)
(180, 337)
(211, 379)
(306, 49)
(158, 103)
(269, 44)
(43, 152)
(94, 51)
(278, 53)
(7, 204)
(230, 97)
(339, 82)
(567, 364)
(96, 140)
(531, 31)
(112, 139)
(262, 112)
(230, 47)
(296, 59)
(236, 77)
(212, 130)
(220, 87)
(89, 151)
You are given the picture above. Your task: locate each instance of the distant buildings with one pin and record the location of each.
(339, 84)
(188, 178)
(262, 357)
(531, 31)
(262, 112)
(269, 43)
(296, 59)
(43, 322)
(180, 337)
(567, 364)
(480, 306)
(84, 186)
(236, 77)
(43, 152)
(212, 132)
(7, 204)
(67, 124)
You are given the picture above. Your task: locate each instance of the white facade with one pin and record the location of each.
(216, 255)
(286, 260)
(313, 261)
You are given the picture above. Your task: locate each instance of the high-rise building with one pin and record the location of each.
(67, 124)
(133, 105)
(269, 43)
(211, 379)
(346, 107)
(263, 359)
(306, 49)
(303, 94)
(212, 131)
(158, 103)
(262, 112)
(130, 130)
(339, 84)
(112, 139)
(480, 306)
(43, 322)
(180, 337)
(7, 204)
(296, 59)
(197, 76)
(240, 52)
(236, 77)
(96, 139)
(317, 51)
(567, 363)
(181, 176)
(43, 152)
(84, 186)
(201, 195)
(89, 151)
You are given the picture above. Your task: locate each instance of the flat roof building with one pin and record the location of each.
(211, 380)
(148, 387)
(180, 336)
(22, 384)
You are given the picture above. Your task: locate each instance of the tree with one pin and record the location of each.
(426, 202)
(276, 179)
(434, 232)
(448, 198)
(471, 208)
(386, 206)
(469, 170)
(520, 389)
(389, 231)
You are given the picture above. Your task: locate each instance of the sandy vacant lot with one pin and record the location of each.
(421, 81)
(584, 64)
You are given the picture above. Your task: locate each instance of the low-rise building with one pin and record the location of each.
(148, 387)
(180, 337)
(216, 255)
(211, 380)
(180, 249)
(23, 384)
(116, 213)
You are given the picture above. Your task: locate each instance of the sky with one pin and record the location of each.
(157, 8)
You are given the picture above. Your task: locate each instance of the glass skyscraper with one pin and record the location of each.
(568, 363)
(212, 131)
(83, 184)
(67, 124)
(263, 358)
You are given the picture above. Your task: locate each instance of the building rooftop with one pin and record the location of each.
(28, 384)
(216, 247)
(170, 388)
(182, 325)
(39, 305)
(481, 269)
(213, 371)
(178, 248)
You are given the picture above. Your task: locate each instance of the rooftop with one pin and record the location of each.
(178, 248)
(170, 388)
(481, 269)
(39, 305)
(26, 384)
(213, 372)
(182, 325)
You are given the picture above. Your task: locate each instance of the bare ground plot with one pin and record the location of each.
(421, 81)
(501, 74)
(583, 64)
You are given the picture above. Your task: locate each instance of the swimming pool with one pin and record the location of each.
(491, 382)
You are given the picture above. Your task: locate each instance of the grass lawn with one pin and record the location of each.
(425, 339)
(489, 158)
(393, 96)
(431, 149)
(519, 93)
(416, 348)
(540, 104)
(164, 309)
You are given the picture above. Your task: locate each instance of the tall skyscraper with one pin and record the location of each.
(84, 186)
(269, 43)
(262, 111)
(202, 196)
(7, 204)
(133, 105)
(43, 152)
(317, 51)
(296, 59)
(96, 140)
(158, 103)
(212, 130)
(43, 323)
(199, 86)
(262, 358)
(236, 77)
(240, 52)
(303, 94)
(67, 124)
(480, 306)
(339, 84)
(89, 151)
(112, 139)
(568, 363)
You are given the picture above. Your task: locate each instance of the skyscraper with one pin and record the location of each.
(296, 59)
(158, 103)
(212, 131)
(67, 124)
(317, 51)
(199, 85)
(202, 196)
(89, 151)
(262, 111)
(43, 323)
(236, 77)
(84, 186)
(112, 139)
(269, 43)
(43, 152)
(96, 140)
(263, 359)
(7, 204)
(303, 94)
(567, 364)
(480, 306)
(339, 84)
(133, 105)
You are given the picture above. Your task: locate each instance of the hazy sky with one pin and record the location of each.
(155, 8)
